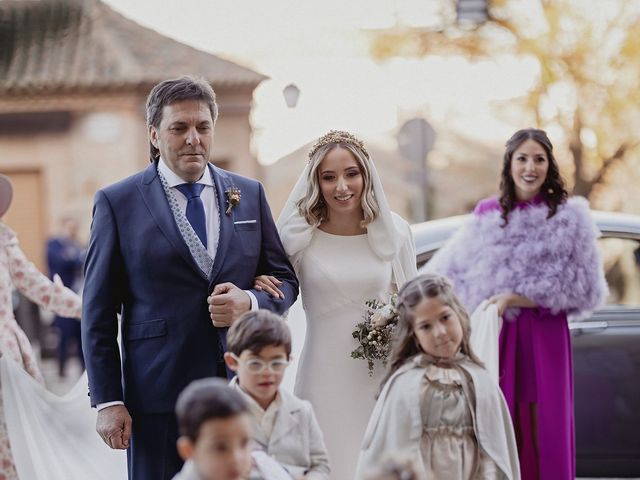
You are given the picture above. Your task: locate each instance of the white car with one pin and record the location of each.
(606, 349)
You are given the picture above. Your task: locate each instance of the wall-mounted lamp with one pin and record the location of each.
(472, 12)
(291, 94)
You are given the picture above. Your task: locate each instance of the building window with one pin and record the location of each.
(29, 123)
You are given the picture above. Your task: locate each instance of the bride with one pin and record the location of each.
(347, 247)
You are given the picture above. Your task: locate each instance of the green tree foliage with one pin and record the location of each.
(587, 80)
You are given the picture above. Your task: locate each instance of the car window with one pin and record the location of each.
(621, 259)
(424, 258)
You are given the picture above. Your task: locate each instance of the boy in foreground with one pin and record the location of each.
(215, 432)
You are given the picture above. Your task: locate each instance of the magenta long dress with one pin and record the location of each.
(536, 367)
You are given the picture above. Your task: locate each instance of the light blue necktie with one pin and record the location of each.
(195, 209)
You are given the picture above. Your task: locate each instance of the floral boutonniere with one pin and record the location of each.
(233, 198)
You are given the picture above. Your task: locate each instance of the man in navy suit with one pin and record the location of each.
(179, 269)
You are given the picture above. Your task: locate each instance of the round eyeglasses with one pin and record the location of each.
(257, 365)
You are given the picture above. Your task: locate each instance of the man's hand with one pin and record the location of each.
(114, 426)
(227, 303)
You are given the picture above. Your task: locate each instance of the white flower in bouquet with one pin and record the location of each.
(383, 315)
(373, 335)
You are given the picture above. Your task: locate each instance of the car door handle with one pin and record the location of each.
(589, 326)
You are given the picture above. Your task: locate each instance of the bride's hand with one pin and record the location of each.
(501, 301)
(507, 300)
(269, 284)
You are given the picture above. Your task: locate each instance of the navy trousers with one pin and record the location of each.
(69, 330)
(152, 453)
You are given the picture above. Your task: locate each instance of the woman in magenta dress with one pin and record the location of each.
(532, 252)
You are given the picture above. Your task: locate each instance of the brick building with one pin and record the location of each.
(74, 76)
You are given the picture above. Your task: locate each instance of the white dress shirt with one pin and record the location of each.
(263, 419)
(209, 201)
(211, 209)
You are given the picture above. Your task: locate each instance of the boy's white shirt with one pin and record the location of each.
(188, 472)
(264, 419)
(295, 440)
(267, 469)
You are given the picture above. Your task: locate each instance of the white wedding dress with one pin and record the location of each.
(337, 275)
(53, 437)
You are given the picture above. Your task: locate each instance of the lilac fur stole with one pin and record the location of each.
(552, 261)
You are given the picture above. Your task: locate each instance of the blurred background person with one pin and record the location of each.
(16, 271)
(65, 257)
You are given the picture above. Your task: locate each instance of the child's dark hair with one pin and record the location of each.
(258, 329)
(426, 286)
(206, 399)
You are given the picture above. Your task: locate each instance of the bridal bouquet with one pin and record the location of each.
(374, 334)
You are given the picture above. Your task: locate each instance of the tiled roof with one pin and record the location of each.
(69, 45)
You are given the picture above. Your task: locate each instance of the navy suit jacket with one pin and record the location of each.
(139, 265)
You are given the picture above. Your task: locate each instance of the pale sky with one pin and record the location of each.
(322, 48)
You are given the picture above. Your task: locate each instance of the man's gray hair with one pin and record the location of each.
(174, 90)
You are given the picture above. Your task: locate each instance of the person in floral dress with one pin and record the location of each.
(16, 271)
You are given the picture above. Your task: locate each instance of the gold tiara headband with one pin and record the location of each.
(338, 136)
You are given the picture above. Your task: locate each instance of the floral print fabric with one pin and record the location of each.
(16, 271)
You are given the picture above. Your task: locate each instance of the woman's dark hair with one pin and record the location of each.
(206, 399)
(553, 191)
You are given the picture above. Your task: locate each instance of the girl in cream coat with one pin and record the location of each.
(438, 403)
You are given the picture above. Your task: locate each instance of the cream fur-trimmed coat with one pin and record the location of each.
(396, 422)
(552, 261)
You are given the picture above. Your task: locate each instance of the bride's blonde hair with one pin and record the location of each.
(312, 206)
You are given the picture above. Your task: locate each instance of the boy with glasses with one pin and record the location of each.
(284, 426)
